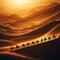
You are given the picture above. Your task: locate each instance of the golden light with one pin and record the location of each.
(20, 2)
(20, 7)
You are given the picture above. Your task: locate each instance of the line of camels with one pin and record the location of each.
(35, 42)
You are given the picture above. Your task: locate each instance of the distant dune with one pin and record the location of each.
(35, 33)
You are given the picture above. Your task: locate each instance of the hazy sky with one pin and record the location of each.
(12, 6)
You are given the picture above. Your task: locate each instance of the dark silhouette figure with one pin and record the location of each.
(11, 48)
(23, 45)
(37, 41)
(49, 38)
(28, 43)
(45, 38)
(33, 42)
(54, 36)
(17, 46)
(41, 40)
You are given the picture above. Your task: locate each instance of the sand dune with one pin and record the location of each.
(49, 50)
(42, 23)
(4, 43)
(35, 33)
(10, 56)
